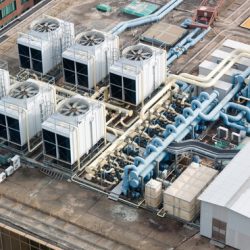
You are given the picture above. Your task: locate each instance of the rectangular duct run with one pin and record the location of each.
(71, 132)
(40, 49)
(86, 63)
(137, 74)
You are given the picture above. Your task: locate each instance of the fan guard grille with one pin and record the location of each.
(91, 38)
(139, 53)
(25, 90)
(45, 26)
(74, 107)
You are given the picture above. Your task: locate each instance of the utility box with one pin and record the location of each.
(153, 193)
(181, 198)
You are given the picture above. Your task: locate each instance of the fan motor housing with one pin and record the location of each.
(76, 127)
(87, 61)
(139, 71)
(22, 111)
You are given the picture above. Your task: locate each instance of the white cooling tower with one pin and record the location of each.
(77, 126)
(22, 111)
(41, 48)
(87, 61)
(139, 71)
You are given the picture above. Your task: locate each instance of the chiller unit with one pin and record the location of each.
(4, 83)
(76, 127)
(24, 109)
(139, 71)
(41, 48)
(87, 61)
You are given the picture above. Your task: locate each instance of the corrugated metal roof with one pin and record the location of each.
(231, 188)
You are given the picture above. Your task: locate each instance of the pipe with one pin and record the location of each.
(188, 43)
(172, 132)
(156, 98)
(158, 15)
(234, 56)
(214, 115)
(204, 83)
(107, 105)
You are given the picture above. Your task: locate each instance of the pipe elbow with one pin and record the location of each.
(157, 142)
(188, 112)
(195, 104)
(180, 119)
(138, 160)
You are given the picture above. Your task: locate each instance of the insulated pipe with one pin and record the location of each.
(156, 98)
(214, 114)
(158, 15)
(134, 176)
(107, 105)
(189, 43)
(239, 107)
(210, 82)
(234, 56)
(233, 124)
(185, 40)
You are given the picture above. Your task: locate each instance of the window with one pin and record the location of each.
(8, 9)
(24, 1)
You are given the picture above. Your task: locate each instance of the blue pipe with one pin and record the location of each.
(178, 50)
(185, 40)
(132, 178)
(158, 15)
(238, 80)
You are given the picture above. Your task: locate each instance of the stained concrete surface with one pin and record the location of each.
(65, 213)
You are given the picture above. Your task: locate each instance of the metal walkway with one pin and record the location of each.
(202, 148)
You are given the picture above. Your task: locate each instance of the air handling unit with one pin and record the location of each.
(139, 71)
(23, 110)
(4, 83)
(87, 61)
(41, 48)
(71, 132)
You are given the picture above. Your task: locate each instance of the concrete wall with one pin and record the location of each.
(238, 226)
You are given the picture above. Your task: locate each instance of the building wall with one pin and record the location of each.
(21, 6)
(238, 226)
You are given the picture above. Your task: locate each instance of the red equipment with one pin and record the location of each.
(206, 14)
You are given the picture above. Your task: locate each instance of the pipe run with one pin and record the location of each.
(158, 15)
(144, 168)
(185, 44)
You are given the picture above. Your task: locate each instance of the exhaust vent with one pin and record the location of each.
(139, 53)
(48, 25)
(75, 107)
(91, 38)
(26, 90)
